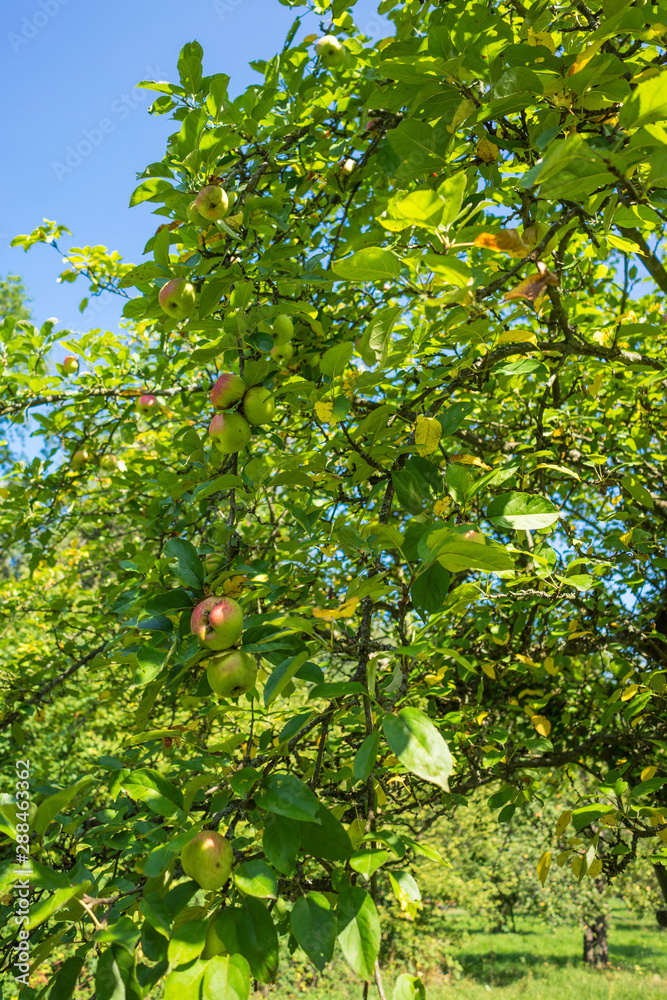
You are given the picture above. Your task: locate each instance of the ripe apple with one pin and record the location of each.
(70, 365)
(147, 404)
(109, 463)
(217, 622)
(212, 202)
(282, 352)
(230, 432)
(178, 298)
(208, 859)
(259, 406)
(227, 391)
(232, 673)
(330, 51)
(283, 329)
(79, 458)
(195, 217)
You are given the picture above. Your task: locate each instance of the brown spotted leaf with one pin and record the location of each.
(505, 240)
(532, 287)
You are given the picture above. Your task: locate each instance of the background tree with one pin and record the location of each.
(448, 542)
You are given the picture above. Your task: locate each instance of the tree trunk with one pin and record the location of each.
(661, 875)
(596, 947)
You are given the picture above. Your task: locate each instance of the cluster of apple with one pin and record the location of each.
(230, 429)
(108, 463)
(218, 623)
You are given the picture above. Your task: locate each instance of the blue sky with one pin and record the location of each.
(66, 67)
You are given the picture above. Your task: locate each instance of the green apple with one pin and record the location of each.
(348, 167)
(259, 406)
(208, 859)
(230, 432)
(283, 329)
(217, 622)
(212, 202)
(147, 404)
(282, 352)
(232, 673)
(195, 217)
(221, 936)
(79, 458)
(227, 391)
(108, 463)
(70, 365)
(178, 298)
(330, 51)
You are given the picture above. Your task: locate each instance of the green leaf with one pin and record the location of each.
(187, 942)
(149, 786)
(149, 189)
(281, 676)
(369, 264)
(115, 976)
(364, 759)
(255, 878)
(185, 983)
(258, 939)
(420, 146)
(313, 925)
(287, 795)
(281, 842)
(522, 511)
(637, 491)
(409, 987)
(336, 359)
(51, 904)
(419, 746)
(406, 891)
(66, 978)
(189, 569)
(457, 553)
(368, 861)
(57, 803)
(647, 104)
(142, 273)
(227, 977)
(358, 930)
(189, 66)
(429, 590)
(325, 838)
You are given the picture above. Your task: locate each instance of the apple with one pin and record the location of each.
(282, 352)
(330, 51)
(208, 859)
(283, 329)
(178, 298)
(232, 673)
(230, 432)
(217, 622)
(212, 202)
(109, 463)
(70, 365)
(147, 404)
(227, 391)
(195, 217)
(79, 458)
(259, 406)
(348, 167)
(221, 923)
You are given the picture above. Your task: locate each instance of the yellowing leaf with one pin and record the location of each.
(517, 337)
(563, 822)
(630, 692)
(626, 538)
(4, 492)
(324, 410)
(346, 610)
(489, 670)
(465, 108)
(532, 287)
(543, 866)
(428, 432)
(541, 38)
(594, 387)
(440, 507)
(595, 868)
(648, 772)
(542, 724)
(469, 460)
(505, 241)
(549, 665)
(487, 151)
(234, 586)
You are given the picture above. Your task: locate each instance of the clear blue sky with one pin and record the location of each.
(65, 65)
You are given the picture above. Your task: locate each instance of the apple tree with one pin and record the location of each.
(362, 508)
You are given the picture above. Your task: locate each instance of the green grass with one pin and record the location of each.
(536, 963)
